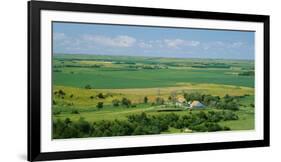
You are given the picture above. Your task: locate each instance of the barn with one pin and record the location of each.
(197, 104)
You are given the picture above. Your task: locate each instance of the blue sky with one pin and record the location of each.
(74, 38)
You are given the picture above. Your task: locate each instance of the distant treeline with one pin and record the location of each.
(247, 73)
(142, 124)
(212, 65)
(79, 66)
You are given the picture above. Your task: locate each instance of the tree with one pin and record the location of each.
(60, 93)
(159, 101)
(173, 97)
(88, 86)
(126, 102)
(230, 105)
(193, 96)
(100, 95)
(74, 112)
(115, 102)
(100, 105)
(54, 102)
(83, 126)
(170, 98)
(145, 99)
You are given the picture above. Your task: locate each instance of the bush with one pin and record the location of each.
(228, 115)
(100, 105)
(88, 86)
(145, 99)
(193, 96)
(56, 112)
(74, 112)
(101, 96)
(160, 101)
(115, 102)
(83, 126)
(229, 105)
(126, 102)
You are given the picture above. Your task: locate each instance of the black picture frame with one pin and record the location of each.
(34, 82)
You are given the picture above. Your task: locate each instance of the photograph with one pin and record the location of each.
(113, 80)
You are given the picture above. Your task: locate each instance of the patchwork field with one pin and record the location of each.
(102, 92)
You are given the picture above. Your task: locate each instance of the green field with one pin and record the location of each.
(110, 72)
(82, 82)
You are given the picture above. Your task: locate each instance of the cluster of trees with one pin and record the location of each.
(57, 71)
(142, 124)
(148, 67)
(227, 102)
(88, 86)
(60, 93)
(100, 105)
(124, 101)
(212, 65)
(247, 73)
(159, 101)
(77, 66)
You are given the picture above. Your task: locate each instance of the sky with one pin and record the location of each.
(103, 39)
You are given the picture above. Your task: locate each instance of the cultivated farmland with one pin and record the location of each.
(99, 95)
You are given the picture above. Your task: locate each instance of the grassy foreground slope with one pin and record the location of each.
(82, 102)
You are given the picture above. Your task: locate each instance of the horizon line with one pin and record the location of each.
(245, 59)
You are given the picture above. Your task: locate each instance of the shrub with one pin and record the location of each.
(228, 115)
(100, 105)
(145, 99)
(74, 111)
(60, 93)
(101, 96)
(159, 101)
(229, 105)
(88, 86)
(193, 96)
(115, 102)
(126, 102)
(56, 112)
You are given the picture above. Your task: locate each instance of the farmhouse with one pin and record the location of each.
(196, 104)
(180, 101)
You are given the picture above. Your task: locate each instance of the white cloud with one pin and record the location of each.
(168, 43)
(177, 43)
(223, 45)
(236, 44)
(59, 36)
(145, 45)
(118, 41)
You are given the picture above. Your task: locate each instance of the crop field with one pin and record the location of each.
(106, 94)
(104, 72)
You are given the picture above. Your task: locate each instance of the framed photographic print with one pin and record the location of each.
(115, 80)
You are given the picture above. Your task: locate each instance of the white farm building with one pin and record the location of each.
(196, 104)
